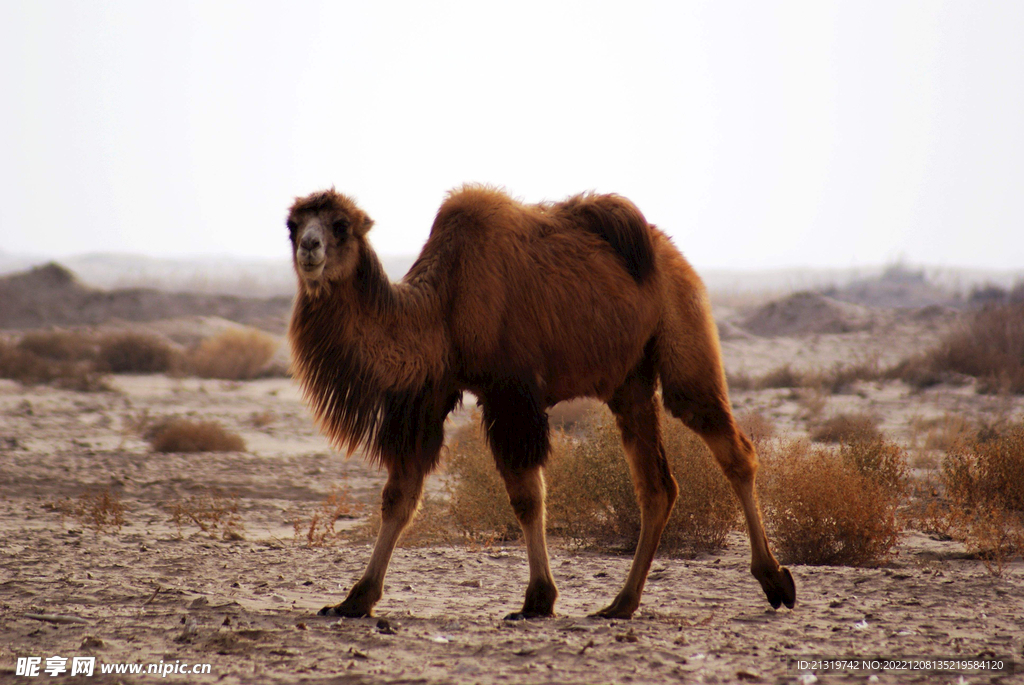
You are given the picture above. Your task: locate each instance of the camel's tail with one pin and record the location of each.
(620, 223)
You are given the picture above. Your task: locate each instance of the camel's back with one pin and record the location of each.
(532, 287)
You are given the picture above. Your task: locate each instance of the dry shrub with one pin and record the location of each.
(590, 496)
(213, 512)
(740, 381)
(236, 354)
(178, 434)
(882, 461)
(847, 428)
(478, 507)
(67, 346)
(592, 501)
(28, 368)
(98, 510)
(837, 379)
(137, 353)
(262, 419)
(317, 527)
(840, 378)
(941, 433)
(990, 348)
(984, 480)
(757, 426)
(782, 377)
(823, 508)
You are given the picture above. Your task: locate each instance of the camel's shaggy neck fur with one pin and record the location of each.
(371, 358)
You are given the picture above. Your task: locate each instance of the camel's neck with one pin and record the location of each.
(395, 330)
(355, 345)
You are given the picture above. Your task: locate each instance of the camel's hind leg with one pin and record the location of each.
(636, 413)
(694, 390)
(399, 499)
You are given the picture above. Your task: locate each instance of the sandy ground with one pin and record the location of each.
(148, 593)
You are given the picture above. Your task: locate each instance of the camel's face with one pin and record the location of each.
(326, 231)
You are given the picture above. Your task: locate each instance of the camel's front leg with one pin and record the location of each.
(526, 494)
(399, 500)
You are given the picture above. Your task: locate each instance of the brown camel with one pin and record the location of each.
(524, 306)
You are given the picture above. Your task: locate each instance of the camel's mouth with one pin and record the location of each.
(310, 268)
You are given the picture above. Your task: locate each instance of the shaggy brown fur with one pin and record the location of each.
(524, 306)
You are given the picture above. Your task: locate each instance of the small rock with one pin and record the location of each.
(199, 603)
(384, 627)
(750, 676)
(190, 631)
(90, 642)
(470, 583)
(627, 637)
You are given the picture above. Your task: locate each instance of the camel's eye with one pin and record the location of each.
(340, 226)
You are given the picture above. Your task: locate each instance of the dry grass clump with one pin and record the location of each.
(847, 428)
(840, 378)
(782, 377)
(25, 366)
(68, 346)
(178, 434)
(823, 508)
(837, 379)
(758, 427)
(137, 353)
(984, 481)
(317, 527)
(99, 510)
(213, 512)
(235, 354)
(477, 508)
(740, 381)
(990, 348)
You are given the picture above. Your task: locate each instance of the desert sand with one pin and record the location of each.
(152, 591)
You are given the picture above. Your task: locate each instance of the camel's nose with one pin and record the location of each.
(310, 242)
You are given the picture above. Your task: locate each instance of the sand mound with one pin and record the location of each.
(805, 314)
(896, 288)
(51, 295)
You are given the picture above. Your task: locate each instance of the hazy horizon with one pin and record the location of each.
(759, 136)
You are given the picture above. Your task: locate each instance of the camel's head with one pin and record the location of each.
(327, 231)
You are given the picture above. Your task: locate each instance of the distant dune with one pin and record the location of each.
(220, 275)
(51, 295)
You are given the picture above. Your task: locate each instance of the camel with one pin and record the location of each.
(524, 306)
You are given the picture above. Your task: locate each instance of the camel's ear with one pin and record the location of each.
(364, 225)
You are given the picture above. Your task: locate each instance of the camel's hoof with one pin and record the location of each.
(343, 611)
(779, 588)
(614, 611)
(526, 615)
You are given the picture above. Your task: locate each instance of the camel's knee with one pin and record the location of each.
(398, 501)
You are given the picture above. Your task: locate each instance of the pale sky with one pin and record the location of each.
(758, 134)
